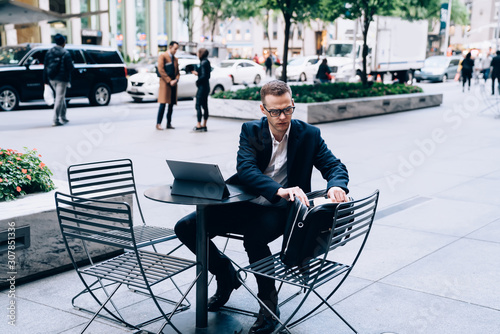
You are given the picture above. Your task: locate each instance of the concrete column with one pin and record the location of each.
(44, 25)
(10, 34)
(113, 24)
(130, 28)
(76, 24)
(104, 23)
(153, 27)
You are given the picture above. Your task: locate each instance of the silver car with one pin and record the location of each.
(438, 68)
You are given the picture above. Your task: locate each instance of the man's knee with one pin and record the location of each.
(186, 227)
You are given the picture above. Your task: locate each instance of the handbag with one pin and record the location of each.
(48, 95)
(329, 76)
(308, 230)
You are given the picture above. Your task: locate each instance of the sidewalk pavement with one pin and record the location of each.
(430, 264)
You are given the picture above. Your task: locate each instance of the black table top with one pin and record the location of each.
(163, 194)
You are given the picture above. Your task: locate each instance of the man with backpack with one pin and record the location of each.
(57, 72)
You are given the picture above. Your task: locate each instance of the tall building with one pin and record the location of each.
(136, 27)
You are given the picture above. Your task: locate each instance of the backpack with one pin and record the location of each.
(54, 66)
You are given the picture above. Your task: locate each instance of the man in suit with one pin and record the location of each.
(275, 160)
(168, 84)
(495, 71)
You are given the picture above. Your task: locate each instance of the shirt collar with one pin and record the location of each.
(285, 136)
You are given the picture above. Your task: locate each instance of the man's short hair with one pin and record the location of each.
(172, 43)
(59, 39)
(498, 53)
(274, 88)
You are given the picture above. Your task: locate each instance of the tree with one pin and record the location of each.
(296, 11)
(216, 10)
(432, 11)
(185, 13)
(367, 9)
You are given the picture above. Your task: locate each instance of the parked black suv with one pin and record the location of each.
(99, 72)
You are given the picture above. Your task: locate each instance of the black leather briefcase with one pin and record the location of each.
(307, 232)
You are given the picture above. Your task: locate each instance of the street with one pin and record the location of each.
(428, 265)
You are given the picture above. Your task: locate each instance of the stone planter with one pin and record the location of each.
(331, 111)
(39, 247)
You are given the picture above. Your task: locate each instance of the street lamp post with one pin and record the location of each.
(447, 30)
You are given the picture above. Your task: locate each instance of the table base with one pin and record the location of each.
(218, 323)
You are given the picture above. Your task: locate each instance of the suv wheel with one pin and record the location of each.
(303, 77)
(257, 79)
(9, 99)
(100, 95)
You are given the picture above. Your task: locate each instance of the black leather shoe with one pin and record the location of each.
(225, 286)
(265, 323)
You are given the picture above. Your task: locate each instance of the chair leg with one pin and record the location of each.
(168, 322)
(103, 306)
(103, 287)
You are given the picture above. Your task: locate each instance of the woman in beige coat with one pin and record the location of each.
(168, 84)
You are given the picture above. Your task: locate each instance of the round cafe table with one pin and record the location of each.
(217, 322)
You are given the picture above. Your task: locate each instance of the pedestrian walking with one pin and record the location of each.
(168, 68)
(495, 71)
(203, 84)
(486, 67)
(467, 68)
(269, 65)
(324, 72)
(58, 65)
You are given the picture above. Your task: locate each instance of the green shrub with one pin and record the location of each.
(22, 173)
(325, 92)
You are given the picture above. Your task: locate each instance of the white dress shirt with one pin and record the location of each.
(277, 168)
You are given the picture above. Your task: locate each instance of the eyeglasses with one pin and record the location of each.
(277, 112)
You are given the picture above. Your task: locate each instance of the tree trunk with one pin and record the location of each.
(366, 25)
(288, 23)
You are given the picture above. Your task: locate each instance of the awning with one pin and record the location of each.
(15, 12)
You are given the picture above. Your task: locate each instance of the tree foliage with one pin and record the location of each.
(296, 11)
(431, 10)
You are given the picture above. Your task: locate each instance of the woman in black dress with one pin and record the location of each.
(203, 84)
(467, 67)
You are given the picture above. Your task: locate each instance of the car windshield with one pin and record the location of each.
(339, 50)
(296, 61)
(436, 62)
(12, 55)
(226, 64)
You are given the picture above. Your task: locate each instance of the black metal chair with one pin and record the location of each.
(351, 225)
(110, 223)
(114, 180)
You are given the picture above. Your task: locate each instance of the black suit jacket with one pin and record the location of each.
(306, 149)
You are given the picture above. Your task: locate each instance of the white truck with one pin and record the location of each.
(395, 46)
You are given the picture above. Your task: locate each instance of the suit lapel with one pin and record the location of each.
(268, 145)
(292, 146)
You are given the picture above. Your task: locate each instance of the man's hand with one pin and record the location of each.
(173, 82)
(290, 193)
(337, 195)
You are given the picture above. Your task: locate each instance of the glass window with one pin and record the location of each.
(102, 57)
(12, 55)
(38, 57)
(77, 56)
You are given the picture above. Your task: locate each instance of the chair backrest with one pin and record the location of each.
(104, 222)
(103, 180)
(353, 220)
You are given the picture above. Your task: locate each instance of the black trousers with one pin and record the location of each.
(202, 101)
(258, 224)
(161, 111)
